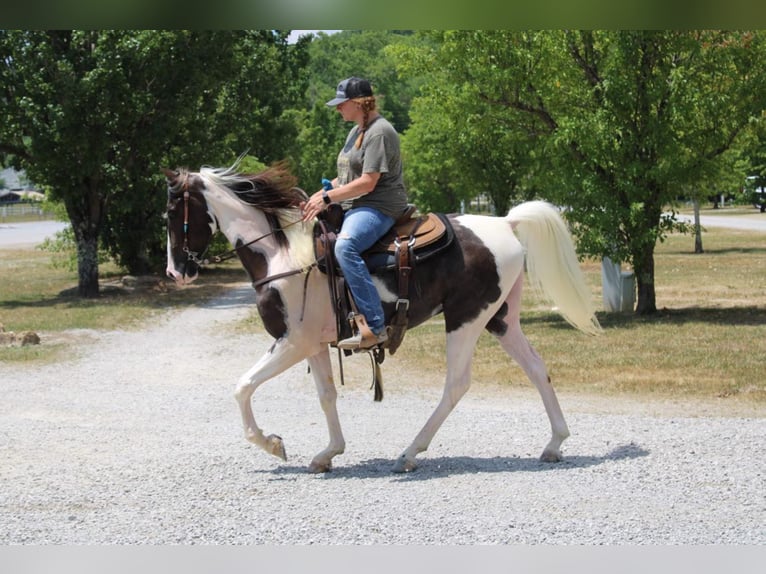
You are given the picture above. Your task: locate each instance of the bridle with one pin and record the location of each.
(190, 255)
(196, 258)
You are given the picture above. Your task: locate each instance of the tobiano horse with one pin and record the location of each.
(476, 283)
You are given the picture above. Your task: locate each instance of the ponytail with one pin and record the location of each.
(368, 105)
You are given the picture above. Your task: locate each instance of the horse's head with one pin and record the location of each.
(190, 225)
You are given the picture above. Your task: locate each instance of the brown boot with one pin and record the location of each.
(364, 337)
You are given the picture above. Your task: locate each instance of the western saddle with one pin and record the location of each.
(412, 239)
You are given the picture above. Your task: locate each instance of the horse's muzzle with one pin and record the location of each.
(182, 278)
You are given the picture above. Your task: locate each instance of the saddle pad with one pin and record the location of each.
(384, 259)
(425, 230)
(432, 233)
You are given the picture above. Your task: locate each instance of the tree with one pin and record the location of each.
(94, 115)
(616, 123)
(321, 131)
(727, 173)
(459, 143)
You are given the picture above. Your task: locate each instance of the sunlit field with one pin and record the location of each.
(708, 339)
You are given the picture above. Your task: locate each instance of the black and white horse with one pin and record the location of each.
(476, 283)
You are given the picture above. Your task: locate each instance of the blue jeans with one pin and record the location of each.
(362, 227)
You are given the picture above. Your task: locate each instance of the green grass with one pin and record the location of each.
(34, 296)
(738, 211)
(708, 338)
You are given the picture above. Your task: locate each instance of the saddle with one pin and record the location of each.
(412, 239)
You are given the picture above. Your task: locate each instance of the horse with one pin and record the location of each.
(476, 283)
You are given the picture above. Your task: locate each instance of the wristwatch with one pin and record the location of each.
(326, 197)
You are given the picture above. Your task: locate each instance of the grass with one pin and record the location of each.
(708, 339)
(34, 296)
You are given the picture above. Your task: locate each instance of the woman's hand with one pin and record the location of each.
(313, 206)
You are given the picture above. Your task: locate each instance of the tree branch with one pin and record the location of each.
(8, 149)
(585, 63)
(516, 104)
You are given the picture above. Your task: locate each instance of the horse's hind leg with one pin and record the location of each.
(460, 349)
(515, 343)
(280, 357)
(321, 369)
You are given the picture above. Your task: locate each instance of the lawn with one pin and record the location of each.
(708, 338)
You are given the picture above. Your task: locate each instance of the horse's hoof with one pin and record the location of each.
(319, 467)
(404, 464)
(550, 456)
(275, 446)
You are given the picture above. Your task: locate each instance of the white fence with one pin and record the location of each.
(22, 209)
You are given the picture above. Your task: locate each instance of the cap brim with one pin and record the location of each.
(336, 101)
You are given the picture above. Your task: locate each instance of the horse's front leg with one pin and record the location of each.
(279, 358)
(321, 369)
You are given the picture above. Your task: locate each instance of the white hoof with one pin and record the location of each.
(275, 446)
(318, 467)
(551, 455)
(404, 464)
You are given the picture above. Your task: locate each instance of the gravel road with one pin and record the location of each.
(28, 234)
(731, 222)
(136, 439)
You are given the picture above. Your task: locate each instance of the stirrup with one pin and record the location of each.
(364, 337)
(358, 342)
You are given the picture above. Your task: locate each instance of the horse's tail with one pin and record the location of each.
(552, 265)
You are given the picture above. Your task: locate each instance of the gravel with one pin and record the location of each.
(136, 439)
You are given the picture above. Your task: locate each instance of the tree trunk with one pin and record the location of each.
(86, 212)
(643, 267)
(697, 228)
(87, 267)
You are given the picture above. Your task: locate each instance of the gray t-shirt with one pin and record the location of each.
(379, 154)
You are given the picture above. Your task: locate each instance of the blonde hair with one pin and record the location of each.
(368, 104)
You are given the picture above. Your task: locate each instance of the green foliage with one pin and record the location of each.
(461, 144)
(95, 115)
(321, 130)
(250, 164)
(611, 125)
(63, 249)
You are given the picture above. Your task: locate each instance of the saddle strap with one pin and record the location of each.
(400, 320)
(405, 270)
(327, 239)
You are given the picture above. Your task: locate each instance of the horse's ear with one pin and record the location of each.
(170, 175)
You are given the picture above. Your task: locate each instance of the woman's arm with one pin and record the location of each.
(353, 189)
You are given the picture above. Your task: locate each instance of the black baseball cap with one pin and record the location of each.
(349, 89)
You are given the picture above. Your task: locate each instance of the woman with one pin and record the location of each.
(370, 176)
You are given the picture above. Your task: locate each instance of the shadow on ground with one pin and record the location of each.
(440, 467)
(748, 315)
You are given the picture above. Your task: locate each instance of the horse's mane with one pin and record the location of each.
(272, 191)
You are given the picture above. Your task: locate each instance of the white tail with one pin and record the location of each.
(552, 264)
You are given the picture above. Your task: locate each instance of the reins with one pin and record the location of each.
(228, 254)
(191, 255)
(232, 252)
